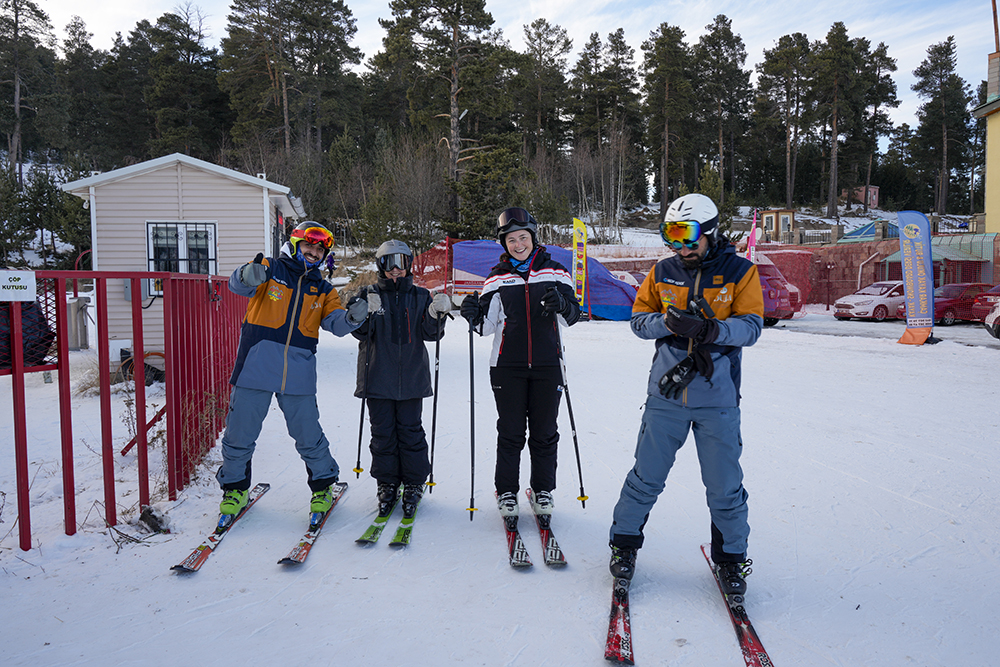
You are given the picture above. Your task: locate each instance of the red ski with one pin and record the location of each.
(553, 553)
(300, 551)
(753, 650)
(201, 553)
(619, 646)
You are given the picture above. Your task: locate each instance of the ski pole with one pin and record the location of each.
(364, 392)
(434, 403)
(472, 418)
(572, 422)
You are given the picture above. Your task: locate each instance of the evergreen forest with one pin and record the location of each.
(447, 124)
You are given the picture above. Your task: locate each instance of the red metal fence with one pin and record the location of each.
(200, 322)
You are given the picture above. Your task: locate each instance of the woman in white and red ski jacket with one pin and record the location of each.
(526, 297)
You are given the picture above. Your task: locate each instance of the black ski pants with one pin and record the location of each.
(398, 445)
(527, 401)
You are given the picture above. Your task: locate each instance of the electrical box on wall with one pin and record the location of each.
(144, 286)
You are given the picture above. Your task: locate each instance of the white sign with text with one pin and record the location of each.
(17, 286)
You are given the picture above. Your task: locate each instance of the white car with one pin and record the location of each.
(992, 321)
(877, 301)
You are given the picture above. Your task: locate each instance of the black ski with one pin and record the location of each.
(754, 654)
(317, 520)
(553, 553)
(201, 553)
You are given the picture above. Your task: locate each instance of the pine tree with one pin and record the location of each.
(724, 86)
(448, 37)
(943, 117)
(839, 95)
(668, 98)
(784, 80)
(26, 56)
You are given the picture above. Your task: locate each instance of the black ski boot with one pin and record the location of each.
(731, 576)
(622, 562)
(387, 496)
(412, 493)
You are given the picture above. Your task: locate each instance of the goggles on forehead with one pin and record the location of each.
(396, 260)
(679, 234)
(314, 235)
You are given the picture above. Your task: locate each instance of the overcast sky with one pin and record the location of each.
(908, 27)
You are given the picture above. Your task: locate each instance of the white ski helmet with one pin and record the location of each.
(393, 254)
(693, 208)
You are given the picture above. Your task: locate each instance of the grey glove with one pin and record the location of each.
(357, 310)
(374, 302)
(440, 306)
(254, 273)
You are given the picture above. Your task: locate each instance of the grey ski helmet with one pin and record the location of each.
(393, 254)
(516, 219)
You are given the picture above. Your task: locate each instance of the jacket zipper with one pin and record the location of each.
(291, 323)
(697, 284)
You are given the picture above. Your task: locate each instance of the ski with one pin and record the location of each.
(405, 529)
(374, 531)
(619, 646)
(198, 557)
(553, 553)
(317, 520)
(754, 654)
(515, 545)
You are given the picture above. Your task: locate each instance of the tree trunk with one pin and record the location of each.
(943, 201)
(788, 158)
(831, 195)
(665, 159)
(722, 173)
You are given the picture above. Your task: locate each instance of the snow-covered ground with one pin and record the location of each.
(871, 468)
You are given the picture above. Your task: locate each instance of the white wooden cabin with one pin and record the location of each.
(180, 214)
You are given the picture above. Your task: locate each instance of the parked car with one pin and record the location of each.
(878, 301)
(984, 303)
(781, 298)
(777, 301)
(992, 321)
(952, 302)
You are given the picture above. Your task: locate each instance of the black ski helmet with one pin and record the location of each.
(516, 219)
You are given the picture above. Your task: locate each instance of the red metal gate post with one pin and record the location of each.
(104, 371)
(65, 409)
(20, 427)
(139, 378)
(172, 364)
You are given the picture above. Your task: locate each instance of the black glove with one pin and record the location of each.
(674, 381)
(554, 302)
(693, 325)
(703, 363)
(471, 310)
(254, 273)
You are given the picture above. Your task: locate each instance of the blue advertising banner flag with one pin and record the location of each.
(918, 276)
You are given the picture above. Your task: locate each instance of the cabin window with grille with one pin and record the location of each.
(181, 247)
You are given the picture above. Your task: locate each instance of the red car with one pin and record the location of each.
(984, 303)
(952, 302)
